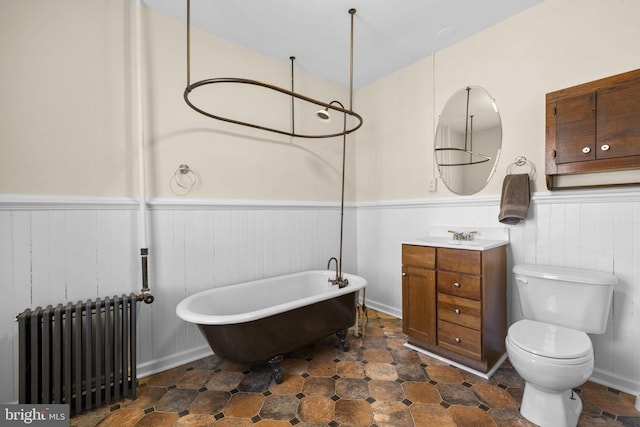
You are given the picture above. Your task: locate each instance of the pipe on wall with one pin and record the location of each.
(145, 293)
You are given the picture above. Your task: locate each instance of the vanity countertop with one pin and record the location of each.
(448, 242)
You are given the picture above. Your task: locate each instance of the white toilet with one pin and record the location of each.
(550, 348)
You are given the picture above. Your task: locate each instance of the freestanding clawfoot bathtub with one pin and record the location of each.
(263, 320)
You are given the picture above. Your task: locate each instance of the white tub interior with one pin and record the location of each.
(261, 298)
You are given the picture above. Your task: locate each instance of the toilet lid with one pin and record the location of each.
(550, 341)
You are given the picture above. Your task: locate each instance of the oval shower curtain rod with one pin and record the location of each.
(236, 80)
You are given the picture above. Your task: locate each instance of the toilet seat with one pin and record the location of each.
(561, 345)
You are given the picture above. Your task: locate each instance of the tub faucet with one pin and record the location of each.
(329, 266)
(338, 280)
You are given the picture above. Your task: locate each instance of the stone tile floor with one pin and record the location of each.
(378, 382)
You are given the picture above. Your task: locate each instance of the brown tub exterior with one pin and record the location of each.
(263, 339)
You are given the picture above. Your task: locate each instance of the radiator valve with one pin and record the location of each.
(146, 296)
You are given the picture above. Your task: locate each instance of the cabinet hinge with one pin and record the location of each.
(555, 111)
(553, 154)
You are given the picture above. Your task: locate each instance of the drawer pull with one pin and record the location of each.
(456, 285)
(605, 147)
(586, 150)
(456, 311)
(458, 340)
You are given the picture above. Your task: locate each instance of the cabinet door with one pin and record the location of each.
(419, 304)
(618, 121)
(576, 128)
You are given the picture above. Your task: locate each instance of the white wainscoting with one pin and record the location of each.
(59, 249)
(585, 229)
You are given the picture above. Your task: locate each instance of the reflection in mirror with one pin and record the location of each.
(468, 140)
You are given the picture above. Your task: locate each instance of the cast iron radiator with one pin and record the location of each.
(83, 354)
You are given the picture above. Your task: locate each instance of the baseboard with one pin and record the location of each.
(159, 365)
(484, 375)
(387, 309)
(625, 385)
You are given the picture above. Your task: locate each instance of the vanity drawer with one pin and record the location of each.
(465, 341)
(461, 311)
(460, 285)
(460, 260)
(420, 256)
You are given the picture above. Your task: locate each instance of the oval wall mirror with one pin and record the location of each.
(468, 140)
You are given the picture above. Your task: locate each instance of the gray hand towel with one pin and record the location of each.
(514, 204)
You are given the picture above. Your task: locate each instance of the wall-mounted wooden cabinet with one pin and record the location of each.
(454, 303)
(593, 127)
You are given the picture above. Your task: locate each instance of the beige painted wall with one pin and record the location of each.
(233, 161)
(548, 47)
(68, 103)
(65, 114)
(68, 108)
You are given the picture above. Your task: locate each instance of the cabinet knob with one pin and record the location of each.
(605, 147)
(404, 274)
(586, 150)
(458, 340)
(456, 311)
(456, 285)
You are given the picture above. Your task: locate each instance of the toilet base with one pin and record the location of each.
(550, 409)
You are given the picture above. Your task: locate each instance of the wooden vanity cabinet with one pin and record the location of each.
(454, 303)
(593, 127)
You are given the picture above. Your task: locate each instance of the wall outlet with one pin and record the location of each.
(433, 185)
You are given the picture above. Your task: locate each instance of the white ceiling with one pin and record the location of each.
(388, 34)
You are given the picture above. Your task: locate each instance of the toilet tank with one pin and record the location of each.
(573, 298)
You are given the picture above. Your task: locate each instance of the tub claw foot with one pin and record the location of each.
(276, 370)
(342, 335)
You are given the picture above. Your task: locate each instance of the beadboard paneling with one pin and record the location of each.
(54, 250)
